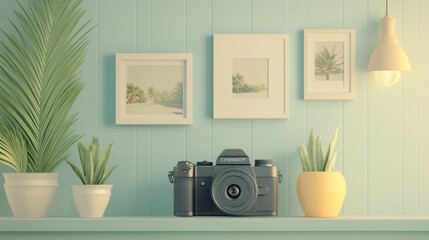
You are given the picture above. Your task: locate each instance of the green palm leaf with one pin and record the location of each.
(14, 157)
(39, 80)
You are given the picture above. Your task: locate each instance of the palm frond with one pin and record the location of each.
(39, 80)
(13, 149)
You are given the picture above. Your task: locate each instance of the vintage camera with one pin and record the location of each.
(232, 187)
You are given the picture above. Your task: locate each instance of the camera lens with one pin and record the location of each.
(233, 191)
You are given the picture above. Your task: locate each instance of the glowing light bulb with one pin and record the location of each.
(388, 78)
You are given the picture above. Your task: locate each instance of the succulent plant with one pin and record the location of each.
(312, 156)
(93, 168)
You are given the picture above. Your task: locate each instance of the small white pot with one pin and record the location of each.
(30, 194)
(91, 200)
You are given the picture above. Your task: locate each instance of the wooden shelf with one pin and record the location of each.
(218, 224)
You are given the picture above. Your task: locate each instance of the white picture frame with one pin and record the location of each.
(251, 76)
(329, 79)
(153, 88)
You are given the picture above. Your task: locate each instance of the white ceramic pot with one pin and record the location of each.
(30, 194)
(321, 194)
(91, 200)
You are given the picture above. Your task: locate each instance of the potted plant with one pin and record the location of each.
(321, 190)
(91, 198)
(39, 82)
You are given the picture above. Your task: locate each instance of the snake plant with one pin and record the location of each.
(312, 156)
(93, 167)
(39, 82)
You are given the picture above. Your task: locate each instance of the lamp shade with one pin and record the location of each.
(388, 55)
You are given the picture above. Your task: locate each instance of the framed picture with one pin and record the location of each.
(329, 64)
(153, 88)
(251, 76)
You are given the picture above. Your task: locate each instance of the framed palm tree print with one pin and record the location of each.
(153, 88)
(329, 64)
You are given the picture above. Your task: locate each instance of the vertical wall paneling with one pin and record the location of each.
(410, 96)
(6, 13)
(117, 26)
(268, 135)
(143, 26)
(168, 142)
(354, 127)
(423, 106)
(231, 17)
(325, 116)
(383, 147)
(168, 147)
(375, 108)
(168, 26)
(143, 132)
(231, 134)
(199, 43)
(297, 119)
(384, 128)
(328, 14)
(87, 124)
(270, 16)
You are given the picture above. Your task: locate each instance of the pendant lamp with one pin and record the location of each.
(388, 60)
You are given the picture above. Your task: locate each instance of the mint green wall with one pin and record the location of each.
(383, 145)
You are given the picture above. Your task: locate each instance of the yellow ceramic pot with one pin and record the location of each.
(321, 194)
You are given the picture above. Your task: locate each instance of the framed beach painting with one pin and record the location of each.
(251, 76)
(329, 64)
(153, 88)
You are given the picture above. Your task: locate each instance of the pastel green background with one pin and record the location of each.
(383, 147)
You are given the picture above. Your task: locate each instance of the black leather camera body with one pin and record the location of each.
(231, 187)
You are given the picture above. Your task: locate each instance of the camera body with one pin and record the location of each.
(232, 187)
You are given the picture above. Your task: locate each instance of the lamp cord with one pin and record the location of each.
(387, 6)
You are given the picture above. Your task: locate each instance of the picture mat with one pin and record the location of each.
(274, 48)
(316, 89)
